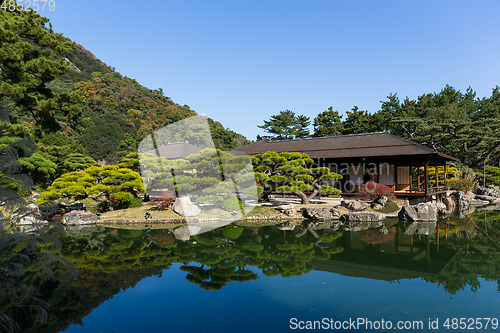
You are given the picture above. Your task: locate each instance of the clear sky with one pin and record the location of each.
(242, 61)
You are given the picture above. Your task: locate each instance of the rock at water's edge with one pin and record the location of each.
(424, 212)
(184, 207)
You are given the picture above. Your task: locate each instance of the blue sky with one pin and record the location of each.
(241, 61)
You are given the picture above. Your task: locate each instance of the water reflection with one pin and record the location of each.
(455, 254)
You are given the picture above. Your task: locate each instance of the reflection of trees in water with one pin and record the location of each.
(112, 260)
(27, 263)
(477, 237)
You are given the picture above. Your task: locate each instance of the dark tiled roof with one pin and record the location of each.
(176, 150)
(343, 146)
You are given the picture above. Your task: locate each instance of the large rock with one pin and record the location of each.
(184, 207)
(422, 212)
(287, 209)
(419, 228)
(476, 202)
(449, 203)
(29, 214)
(379, 203)
(440, 208)
(354, 205)
(361, 217)
(487, 191)
(488, 198)
(463, 200)
(321, 213)
(79, 217)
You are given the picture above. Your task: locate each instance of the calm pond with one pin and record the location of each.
(241, 278)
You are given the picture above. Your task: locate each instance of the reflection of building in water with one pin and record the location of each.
(401, 257)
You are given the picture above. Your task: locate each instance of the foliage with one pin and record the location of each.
(293, 173)
(31, 58)
(162, 203)
(492, 175)
(232, 204)
(206, 175)
(465, 181)
(78, 162)
(372, 191)
(358, 121)
(112, 186)
(286, 125)
(328, 123)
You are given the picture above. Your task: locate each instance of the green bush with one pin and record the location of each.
(124, 200)
(232, 204)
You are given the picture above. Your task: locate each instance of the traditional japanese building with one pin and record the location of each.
(411, 169)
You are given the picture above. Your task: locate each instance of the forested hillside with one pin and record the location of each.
(74, 106)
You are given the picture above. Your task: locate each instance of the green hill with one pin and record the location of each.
(77, 100)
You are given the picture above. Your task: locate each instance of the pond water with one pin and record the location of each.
(241, 278)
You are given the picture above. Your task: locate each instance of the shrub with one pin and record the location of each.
(372, 191)
(465, 181)
(162, 202)
(231, 204)
(124, 200)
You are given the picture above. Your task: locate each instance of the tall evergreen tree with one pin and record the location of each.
(286, 126)
(328, 123)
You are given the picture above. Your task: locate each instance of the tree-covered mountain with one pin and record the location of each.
(71, 102)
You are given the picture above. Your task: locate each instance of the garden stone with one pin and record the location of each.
(321, 213)
(29, 214)
(422, 212)
(287, 209)
(449, 203)
(476, 202)
(487, 191)
(463, 200)
(487, 198)
(419, 228)
(79, 217)
(380, 202)
(184, 207)
(354, 205)
(361, 217)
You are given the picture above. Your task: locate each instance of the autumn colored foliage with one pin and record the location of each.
(372, 191)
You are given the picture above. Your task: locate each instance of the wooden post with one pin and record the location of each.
(445, 175)
(418, 179)
(395, 177)
(411, 179)
(437, 178)
(426, 169)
